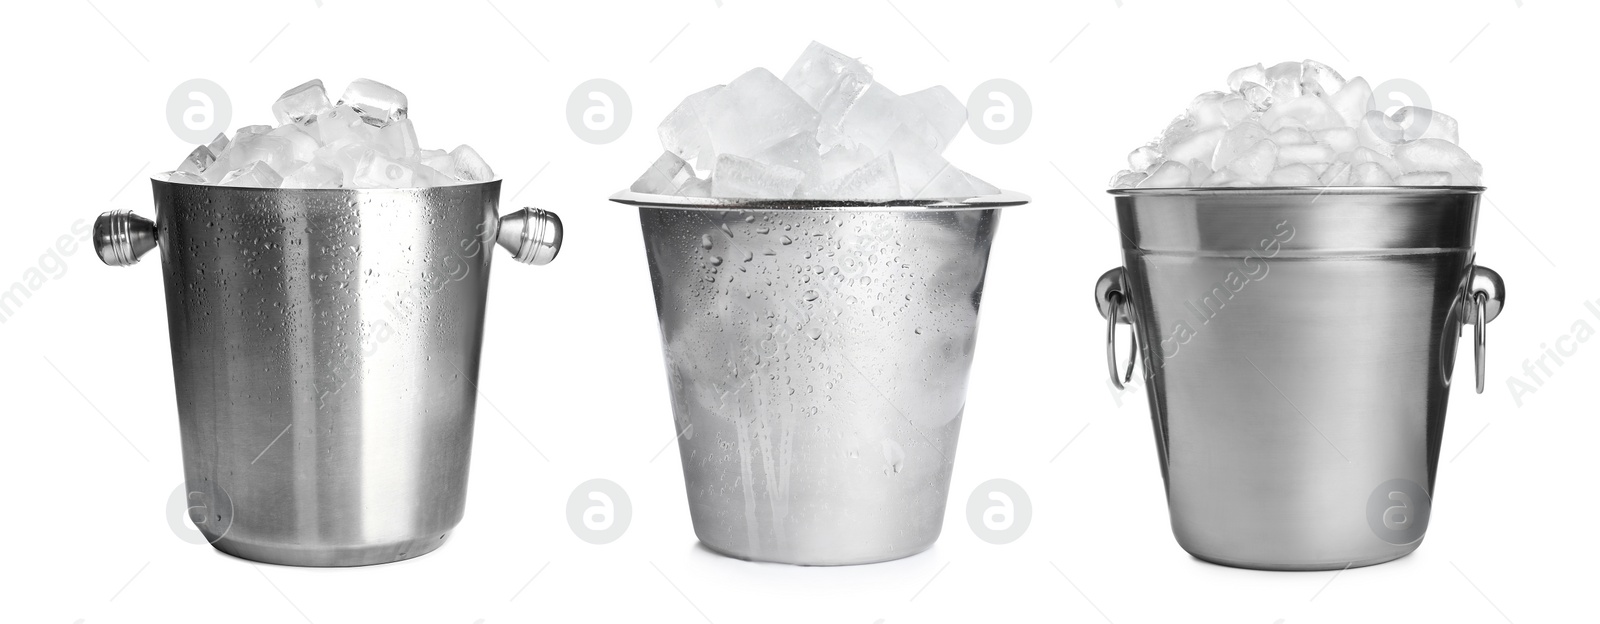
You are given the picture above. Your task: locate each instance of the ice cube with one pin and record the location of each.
(257, 174)
(1237, 140)
(1369, 174)
(947, 182)
(1308, 111)
(736, 176)
(1167, 175)
(304, 145)
(755, 112)
(1128, 179)
(695, 187)
(345, 155)
(1379, 133)
(1424, 178)
(378, 171)
(198, 161)
(1342, 140)
(183, 177)
(466, 165)
(1257, 163)
(1255, 74)
(874, 119)
(1318, 79)
(797, 152)
(1143, 158)
(249, 130)
(684, 131)
(343, 122)
(1293, 175)
(305, 101)
(218, 144)
(1206, 110)
(664, 176)
(1291, 136)
(944, 112)
(875, 181)
(1363, 155)
(839, 160)
(314, 175)
(1258, 97)
(1353, 101)
(820, 70)
(1306, 154)
(1428, 155)
(1225, 178)
(377, 103)
(1199, 170)
(1420, 123)
(1201, 145)
(1337, 173)
(436, 159)
(277, 152)
(1284, 80)
(399, 140)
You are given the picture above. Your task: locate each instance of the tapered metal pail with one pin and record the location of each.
(1298, 345)
(325, 352)
(817, 355)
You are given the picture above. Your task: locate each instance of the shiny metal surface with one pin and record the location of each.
(1297, 348)
(817, 356)
(325, 352)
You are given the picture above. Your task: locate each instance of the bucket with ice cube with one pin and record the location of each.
(1298, 269)
(817, 268)
(326, 285)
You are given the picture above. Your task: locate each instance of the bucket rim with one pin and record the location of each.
(357, 191)
(1002, 199)
(1299, 190)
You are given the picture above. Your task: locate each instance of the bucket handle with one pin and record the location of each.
(533, 236)
(121, 237)
(1115, 304)
(1488, 296)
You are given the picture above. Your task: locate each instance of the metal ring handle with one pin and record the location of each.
(1488, 292)
(1480, 301)
(1116, 300)
(533, 236)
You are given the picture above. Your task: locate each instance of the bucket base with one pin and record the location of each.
(1301, 567)
(333, 557)
(833, 559)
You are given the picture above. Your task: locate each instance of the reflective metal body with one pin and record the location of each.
(817, 355)
(1298, 347)
(325, 352)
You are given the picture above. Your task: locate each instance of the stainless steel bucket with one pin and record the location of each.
(817, 355)
(1298, 345)
(325, 351)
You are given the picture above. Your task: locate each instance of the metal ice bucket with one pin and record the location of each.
(817, 354)
(1298, 347)
(325, 351)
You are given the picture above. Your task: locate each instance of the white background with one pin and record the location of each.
(92, 449)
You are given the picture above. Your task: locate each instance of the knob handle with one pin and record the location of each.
(121, 237)
(533, 236)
